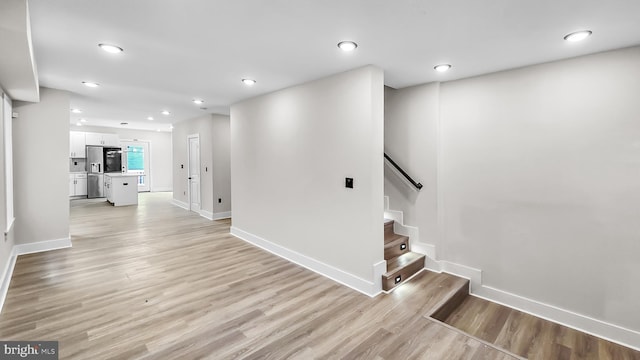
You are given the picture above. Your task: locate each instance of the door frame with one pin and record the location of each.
(147, 172)
(189, 202)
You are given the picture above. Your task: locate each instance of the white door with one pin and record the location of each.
(135, 160)
(194, 172)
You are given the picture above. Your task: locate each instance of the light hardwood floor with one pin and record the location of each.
(530, 336)
(158, 282)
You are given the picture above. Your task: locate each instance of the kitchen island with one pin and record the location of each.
(121, 189)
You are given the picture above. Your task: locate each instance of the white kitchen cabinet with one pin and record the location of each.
(72, 185)
(78, 184)
(110, 140)
(77, 144)
(121, 189)
(102, 139)
(107, 189)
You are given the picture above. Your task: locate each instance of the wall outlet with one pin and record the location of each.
(219, 200)
(348, 183)
(184, 193)
(181, 166)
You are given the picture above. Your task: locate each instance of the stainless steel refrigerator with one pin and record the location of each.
(95, 172)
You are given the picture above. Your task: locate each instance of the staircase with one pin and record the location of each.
(401, 262)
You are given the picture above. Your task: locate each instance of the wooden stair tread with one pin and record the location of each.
(394, 238)
(402, 261)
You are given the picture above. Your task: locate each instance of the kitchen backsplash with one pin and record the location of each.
(77, 164)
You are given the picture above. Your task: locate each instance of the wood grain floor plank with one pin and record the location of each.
(154, 281)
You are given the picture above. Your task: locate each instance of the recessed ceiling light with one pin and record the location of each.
(578, 35)
(442, 67)
(76, 111)
(165, 112)
(198, 101)
(347, 45)
(90, 84)
(249, 82)
(111, 48)
(149, 118)
(78, 124)
(158, 130)
(83, 120)
(170, 126)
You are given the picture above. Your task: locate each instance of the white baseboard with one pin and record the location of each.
(23, 249)
(6, 278)
(161, 189)
(369, 288)
(586, 324)
(614, 333)
(222, 215)
(611, 332)
(215, 216)
(40, 246)
(179, 203)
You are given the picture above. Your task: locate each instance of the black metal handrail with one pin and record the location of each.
(404, 173)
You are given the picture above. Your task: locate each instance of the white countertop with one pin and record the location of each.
(122, 175)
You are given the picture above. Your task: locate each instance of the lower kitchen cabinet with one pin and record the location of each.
(77, 184)
(121, 189)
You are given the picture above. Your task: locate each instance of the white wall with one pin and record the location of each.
(410, 139)
(290, 153)
(160, 152)
(41, 168)
(215, 177)
(221, 147)
(6, 243)
(538, 186)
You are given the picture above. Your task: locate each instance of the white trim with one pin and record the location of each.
(9, 226)
(206, 214)
(6, 278)
(41, 246)
(222, 215)
(215, 216)
(162, 189)
(23, 249)
(369, 288)
(611, 332)
(180, 204)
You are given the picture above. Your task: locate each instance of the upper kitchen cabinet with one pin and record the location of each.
(102, 139)
(77, 144)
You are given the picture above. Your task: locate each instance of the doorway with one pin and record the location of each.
(136, 160)
(193, 143)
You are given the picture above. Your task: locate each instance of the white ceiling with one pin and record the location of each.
(179, 50)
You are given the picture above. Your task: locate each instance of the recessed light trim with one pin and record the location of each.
(198, 101)
(83, 120)
(578, 35)
(170, 126)
(165, 112)
(249, 82)
(113, 49)
(78, 124)
(347, 45)
(90, 84)
(150, 118)
(442, 67)
(76, 111)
